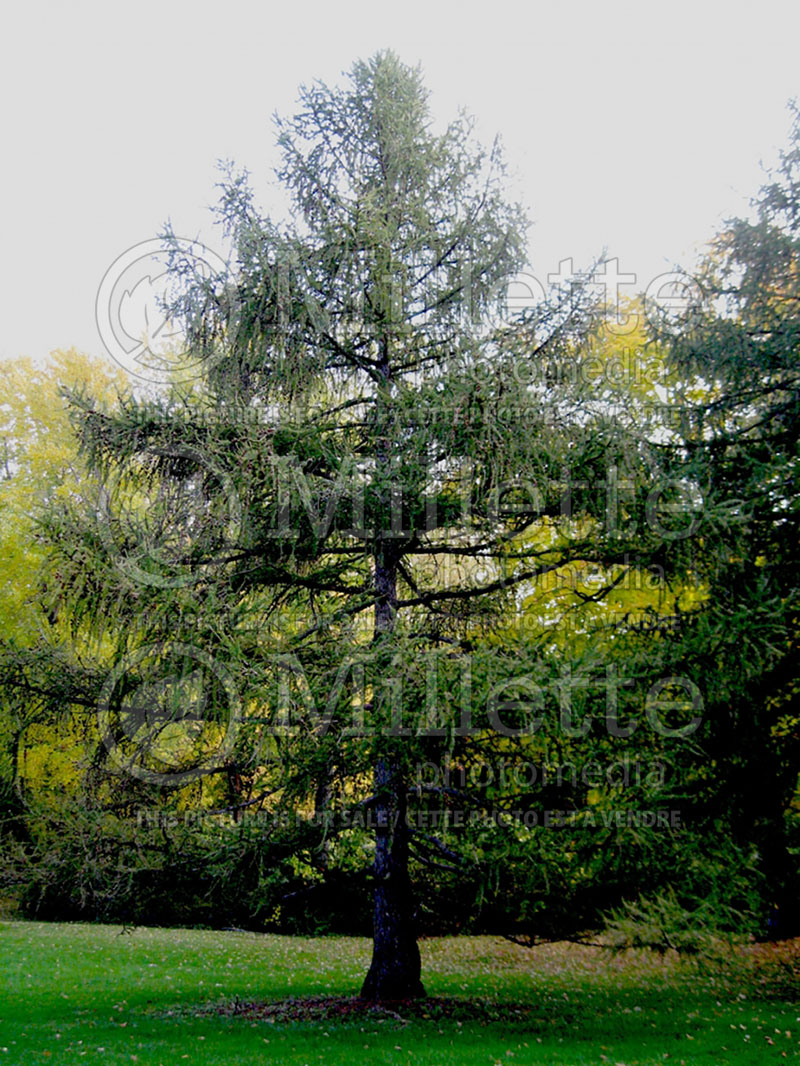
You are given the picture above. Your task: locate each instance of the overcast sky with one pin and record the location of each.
(631, 127)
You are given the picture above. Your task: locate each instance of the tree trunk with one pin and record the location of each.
(396, 968)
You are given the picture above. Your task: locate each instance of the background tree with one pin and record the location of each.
(40, 467)
(736, 347)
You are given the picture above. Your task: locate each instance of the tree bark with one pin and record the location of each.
(395, 971)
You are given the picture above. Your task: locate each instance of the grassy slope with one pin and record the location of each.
(73, 993)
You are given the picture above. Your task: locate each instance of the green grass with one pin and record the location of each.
(74, 993)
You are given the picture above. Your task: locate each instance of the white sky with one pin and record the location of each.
(631, 126)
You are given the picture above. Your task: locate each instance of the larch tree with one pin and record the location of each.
(375, 463)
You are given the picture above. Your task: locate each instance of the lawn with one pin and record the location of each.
(70, 993)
